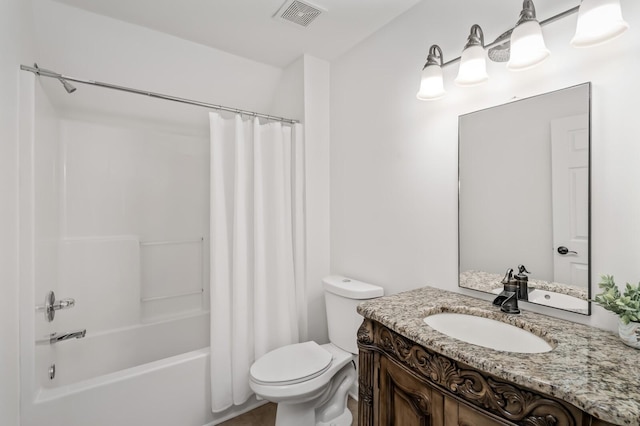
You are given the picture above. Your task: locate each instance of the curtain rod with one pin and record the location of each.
(48, 73)
(501, 38)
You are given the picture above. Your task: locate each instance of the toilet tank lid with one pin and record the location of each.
(353, 289)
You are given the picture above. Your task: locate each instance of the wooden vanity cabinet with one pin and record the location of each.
(406, 399)
(404, 384)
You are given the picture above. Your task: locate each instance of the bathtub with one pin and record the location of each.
(97, 386)
(104, 353)
(173, 391)
(169, 392)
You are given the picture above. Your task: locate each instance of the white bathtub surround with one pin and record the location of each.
(257, 248)
(109, 207)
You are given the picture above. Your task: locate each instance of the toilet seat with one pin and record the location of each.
(291, 364)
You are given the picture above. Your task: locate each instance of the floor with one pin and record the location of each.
(266, 416)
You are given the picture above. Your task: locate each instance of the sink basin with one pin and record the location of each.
(557, 300)
(488, 333)
(553, 300)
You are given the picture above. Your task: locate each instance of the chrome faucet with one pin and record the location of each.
(508, 298)
(78, 334)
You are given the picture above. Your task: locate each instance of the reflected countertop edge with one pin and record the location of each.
(487, 281)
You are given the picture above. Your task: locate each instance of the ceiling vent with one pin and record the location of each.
(298, 12)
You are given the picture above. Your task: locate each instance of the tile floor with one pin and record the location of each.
(266, 416)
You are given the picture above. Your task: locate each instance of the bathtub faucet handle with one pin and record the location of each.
(51, 305)
(64, 304)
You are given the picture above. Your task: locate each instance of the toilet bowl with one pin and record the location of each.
(311, 382)
(304, 395)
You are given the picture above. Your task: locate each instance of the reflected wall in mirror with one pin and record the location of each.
(524, 197)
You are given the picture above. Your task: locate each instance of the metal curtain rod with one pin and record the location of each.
(500, 38)
(48, 73)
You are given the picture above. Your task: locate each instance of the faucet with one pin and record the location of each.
(522, 282)
(78, 334)
(508, 298)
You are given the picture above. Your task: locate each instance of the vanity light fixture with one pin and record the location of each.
(527, 44)
(473, 63)
(431, 83)
(598, 22)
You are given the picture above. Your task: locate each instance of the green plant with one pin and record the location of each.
(626, 306)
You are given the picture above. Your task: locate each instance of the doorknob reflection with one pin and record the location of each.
(563, 251)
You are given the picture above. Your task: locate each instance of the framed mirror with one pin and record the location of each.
(524, 197)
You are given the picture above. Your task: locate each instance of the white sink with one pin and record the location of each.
(553, 299)
(487, 333)
(557, 300)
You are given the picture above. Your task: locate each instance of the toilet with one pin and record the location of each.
(311, 382)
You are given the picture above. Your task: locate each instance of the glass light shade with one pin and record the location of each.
(598, 22)
(431, 84)
(473, 67)
(527, 46)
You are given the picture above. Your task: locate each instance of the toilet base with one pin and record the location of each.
(295, 415)
(344, 419)
(304, 415)
(329, 409)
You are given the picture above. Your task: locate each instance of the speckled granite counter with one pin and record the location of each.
(589, 368)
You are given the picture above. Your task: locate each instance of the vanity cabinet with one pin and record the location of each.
(405, 384)
(406, 399)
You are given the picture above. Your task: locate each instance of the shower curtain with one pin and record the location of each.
(257, 248)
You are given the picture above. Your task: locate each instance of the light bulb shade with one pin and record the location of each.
(527, 46)
(598, 22)
(431, 84)
(473, 67)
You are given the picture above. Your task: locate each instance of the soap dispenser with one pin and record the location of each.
(522, 280)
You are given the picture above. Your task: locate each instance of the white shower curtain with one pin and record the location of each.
(257, 248)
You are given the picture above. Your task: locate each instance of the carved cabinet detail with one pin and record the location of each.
(406, 400)
(405, 384)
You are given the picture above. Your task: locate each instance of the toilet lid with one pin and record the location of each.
(291, 364)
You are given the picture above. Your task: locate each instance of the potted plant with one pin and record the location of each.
(626, 306)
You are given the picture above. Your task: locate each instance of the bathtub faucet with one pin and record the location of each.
(55, 337)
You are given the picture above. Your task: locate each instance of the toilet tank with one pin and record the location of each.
(342, 295)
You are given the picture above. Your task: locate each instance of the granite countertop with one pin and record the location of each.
(588, 367)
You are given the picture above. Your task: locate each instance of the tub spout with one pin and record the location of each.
(55, 337)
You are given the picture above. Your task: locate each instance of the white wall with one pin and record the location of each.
(289, 95)
(317, 124)
(304, 94)
(394, 159)
(77, 43)
(15, 47)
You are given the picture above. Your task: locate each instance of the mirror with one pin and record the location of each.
(524, 196)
